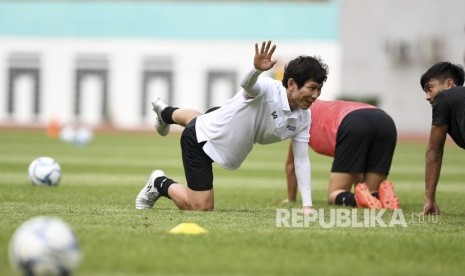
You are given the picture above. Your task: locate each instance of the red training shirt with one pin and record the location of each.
(326, 119)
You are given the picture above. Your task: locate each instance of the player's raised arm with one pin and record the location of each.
(262, 62)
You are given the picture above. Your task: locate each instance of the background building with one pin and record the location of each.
(387, 45)
(101, 62)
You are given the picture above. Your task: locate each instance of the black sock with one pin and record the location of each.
(375, 194)
(212, 109)
(346, 199)
(166, 114)
(162, 184)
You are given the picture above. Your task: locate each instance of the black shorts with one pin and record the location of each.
(365, 142)
(197, 164)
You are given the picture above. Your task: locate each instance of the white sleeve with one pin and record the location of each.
(249, 83)
(303, 171)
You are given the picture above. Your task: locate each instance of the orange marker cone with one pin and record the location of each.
(53, 129)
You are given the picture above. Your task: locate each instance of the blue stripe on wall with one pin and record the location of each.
(165, 20)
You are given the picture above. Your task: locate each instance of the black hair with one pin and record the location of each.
(442, 71)
(305, 68)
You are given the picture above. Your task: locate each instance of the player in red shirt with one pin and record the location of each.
(362, 139)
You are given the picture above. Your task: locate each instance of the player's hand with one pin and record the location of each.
(307, 210)
(431, 208)
(262, 60)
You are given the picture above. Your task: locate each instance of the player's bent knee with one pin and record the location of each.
(202, 207)
(331, 200)
(201, 200)
(332, 196)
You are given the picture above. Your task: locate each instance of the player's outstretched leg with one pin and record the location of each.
(149, 194)
(387, 196)
(364, 198)
(162, 128)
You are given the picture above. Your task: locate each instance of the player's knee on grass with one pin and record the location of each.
(201, 200)
(332, 196)
(202, 207)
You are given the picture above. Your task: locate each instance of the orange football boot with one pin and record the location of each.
(364, 198)
(387, 196)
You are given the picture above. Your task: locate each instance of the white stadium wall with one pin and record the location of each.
(101, 63)
(125, 63)
(194, 53)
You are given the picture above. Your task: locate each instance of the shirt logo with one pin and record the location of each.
(291, 128)
(274, 115)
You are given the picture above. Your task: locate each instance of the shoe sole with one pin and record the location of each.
(387, 196)
(364, 199)
(162, 128)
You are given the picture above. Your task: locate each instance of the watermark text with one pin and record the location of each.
(340, 217)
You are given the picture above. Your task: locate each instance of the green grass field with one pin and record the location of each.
(99, 184)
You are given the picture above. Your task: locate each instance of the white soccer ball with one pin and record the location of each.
(44, 246)
(78, 136)
(83, 136)
(67, 134)
(44, 171)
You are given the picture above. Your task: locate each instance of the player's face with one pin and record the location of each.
(434, 86)
(304, 97)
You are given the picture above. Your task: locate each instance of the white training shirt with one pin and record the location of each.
(231, 130)
(258, 113)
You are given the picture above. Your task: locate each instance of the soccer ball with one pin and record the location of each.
(83, 136)
(44, 246)
(44, 171)
(67, 134)
(78, 136)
